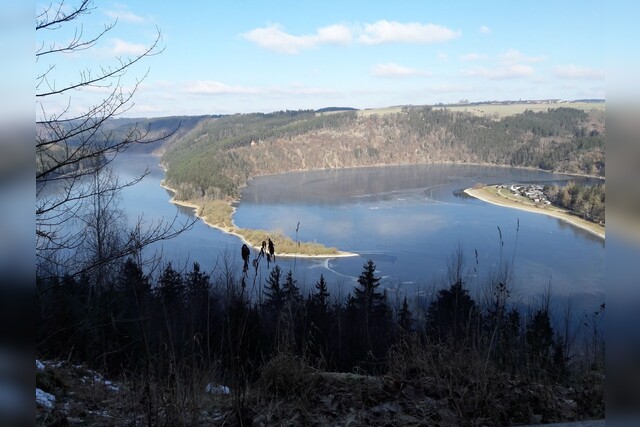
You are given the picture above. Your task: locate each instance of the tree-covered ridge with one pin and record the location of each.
(218, 156)
(205, 163)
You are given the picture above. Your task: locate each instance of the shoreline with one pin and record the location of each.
(382, 165)
(563, 215)
(197, 208)
(504, 202)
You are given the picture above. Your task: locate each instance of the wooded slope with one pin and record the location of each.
(220, 154)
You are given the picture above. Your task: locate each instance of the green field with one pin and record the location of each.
(380, 111)
(497, 111)
(500, 110)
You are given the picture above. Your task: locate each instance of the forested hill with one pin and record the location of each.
(215, 158)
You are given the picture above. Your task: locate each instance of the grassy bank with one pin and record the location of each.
(502, 197)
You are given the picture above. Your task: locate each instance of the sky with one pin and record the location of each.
(224, 57)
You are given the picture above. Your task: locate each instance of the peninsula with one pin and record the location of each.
(501, 196)
(219, 214)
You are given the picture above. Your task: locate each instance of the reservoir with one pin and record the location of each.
(408, 219)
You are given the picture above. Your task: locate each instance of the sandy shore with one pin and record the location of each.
(231, 231)
(484, 195)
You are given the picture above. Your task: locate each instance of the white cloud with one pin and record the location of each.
(122, 13)
(448, 88)
(413, 32)
(513, 56)
(575, 72)
(121, 47)
(442, 56)
(511, 64)
(338, 34)
(275, 38)
(484, 29)
(473, 57)
(515, 71)
(394, 70)
(210, 87)
(301, 90)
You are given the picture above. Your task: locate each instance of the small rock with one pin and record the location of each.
(217, 389)
(259, 421)
(387, 407)
(44, 399)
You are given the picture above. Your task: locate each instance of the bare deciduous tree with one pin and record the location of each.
(73, 143)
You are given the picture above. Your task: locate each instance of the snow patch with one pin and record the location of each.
(39, 365)
(99, 379)
(217, 389)
(111, 386)
(45, 399)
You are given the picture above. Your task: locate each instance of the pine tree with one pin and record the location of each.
(404, 318)
(449, 316)
(366, 296)
(132, 280)
(372, 306)
(291, 291)
(274, 293)
(320, 299)
(171, 287)
(540, 336)
(197, 285)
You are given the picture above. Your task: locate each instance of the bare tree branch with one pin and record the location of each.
(77, 225)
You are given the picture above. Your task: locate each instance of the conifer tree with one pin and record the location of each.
(449, 316)
(366, 295)
(274, 293)
(404, 318)
(539, 336)
(370, 304)
(133, 281)
(320, 299)
(291, 291)
(197, 285)
(171, 287)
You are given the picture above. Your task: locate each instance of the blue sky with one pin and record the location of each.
(244, 56)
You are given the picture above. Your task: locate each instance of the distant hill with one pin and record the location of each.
(155, 135)
(174, 126)
(144, 128)
(217, 156)
(334, 109)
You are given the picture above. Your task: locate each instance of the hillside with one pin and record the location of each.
(74, 146)
(218, 156)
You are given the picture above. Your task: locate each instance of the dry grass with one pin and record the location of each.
(284, 244)
(84, 397)
(219, 213)
(479, 394)
(425, 385)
